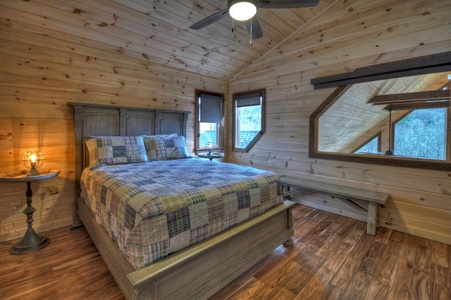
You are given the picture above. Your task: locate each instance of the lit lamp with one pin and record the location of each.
(33, 160)
(211, 148)
(242, 10)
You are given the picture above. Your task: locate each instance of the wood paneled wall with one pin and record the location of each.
(348, 35)
(44, 67)
(39, 75)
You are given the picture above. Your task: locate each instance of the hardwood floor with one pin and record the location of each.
(332, 258)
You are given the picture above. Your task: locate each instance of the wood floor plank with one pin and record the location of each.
(423, 256)
(449, 259)
(331, 292)
(440, 292)
(383, 235)
(409, 249)
(421, 285)
(441, 276)
(361, 279)
(377, 291)
(312, 290)
(332, 258)
(387, 266)
(343, 276)
(402, 283)
(440, 254)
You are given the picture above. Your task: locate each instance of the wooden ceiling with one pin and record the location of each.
(158, 31)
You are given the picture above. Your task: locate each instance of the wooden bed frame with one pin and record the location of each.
(196, 272)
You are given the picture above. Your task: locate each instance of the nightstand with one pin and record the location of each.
(31, 241)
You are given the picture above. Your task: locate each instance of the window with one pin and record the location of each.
(249, 119)
(373, 146)
(422, 134)
(209, 115)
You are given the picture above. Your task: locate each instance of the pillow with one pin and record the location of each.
(148, 140)
(166, 147)
(113, 150)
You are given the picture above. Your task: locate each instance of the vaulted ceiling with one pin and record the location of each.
(158, 31)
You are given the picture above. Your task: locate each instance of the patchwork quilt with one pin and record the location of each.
(155, 208)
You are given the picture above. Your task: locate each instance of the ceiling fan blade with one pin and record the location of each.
(211, 19)
(287, 3)
(256, 28)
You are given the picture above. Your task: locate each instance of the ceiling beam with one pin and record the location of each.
(408, 67)
(410, 106)
(424, 96)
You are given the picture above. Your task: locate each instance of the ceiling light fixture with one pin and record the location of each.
(242, 10)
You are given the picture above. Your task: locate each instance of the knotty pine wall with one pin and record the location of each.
(39, 75)
(350, 34)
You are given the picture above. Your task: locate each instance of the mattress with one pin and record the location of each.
(152, 209)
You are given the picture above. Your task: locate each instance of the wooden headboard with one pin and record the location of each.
(96, 120)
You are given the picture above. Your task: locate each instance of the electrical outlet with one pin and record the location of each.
(17, 207)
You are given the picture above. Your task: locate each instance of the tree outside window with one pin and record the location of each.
(422, 134)
(373, 146)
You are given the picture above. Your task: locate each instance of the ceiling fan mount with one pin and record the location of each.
(245, 10)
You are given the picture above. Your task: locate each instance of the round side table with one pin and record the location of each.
(31, 241)
(211, 156)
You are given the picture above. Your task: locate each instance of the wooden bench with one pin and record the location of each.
(349, 195)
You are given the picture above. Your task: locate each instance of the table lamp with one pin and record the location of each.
(33, 160)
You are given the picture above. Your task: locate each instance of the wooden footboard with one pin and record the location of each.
(201, 270)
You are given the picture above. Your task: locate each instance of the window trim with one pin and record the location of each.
(220, 145)
(262, 93)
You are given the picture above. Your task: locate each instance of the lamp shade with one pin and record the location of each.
(33, 160)
(242, 10)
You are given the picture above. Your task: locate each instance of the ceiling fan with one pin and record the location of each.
(246, 10)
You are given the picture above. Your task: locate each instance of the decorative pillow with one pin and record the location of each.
(148, 142)
(166, 147)
(113, 150)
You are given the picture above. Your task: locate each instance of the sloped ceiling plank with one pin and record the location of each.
(401, 33)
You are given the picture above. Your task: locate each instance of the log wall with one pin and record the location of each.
(39, 75)
(348, 35)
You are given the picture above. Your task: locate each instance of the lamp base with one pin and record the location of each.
(33, 172)
(30, 242)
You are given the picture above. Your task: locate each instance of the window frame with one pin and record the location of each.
(262, 93)
(220, 129)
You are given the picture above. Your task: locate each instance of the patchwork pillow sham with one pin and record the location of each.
(113, 150)
(148, 142)
(166, 147)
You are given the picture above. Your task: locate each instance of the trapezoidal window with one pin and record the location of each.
(249, 119)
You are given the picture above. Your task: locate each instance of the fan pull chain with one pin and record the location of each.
(389, 151)
(250, 33)
(233, 26)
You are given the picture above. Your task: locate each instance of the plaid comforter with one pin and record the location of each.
(153, 209)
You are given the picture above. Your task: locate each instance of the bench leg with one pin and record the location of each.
(373, 208)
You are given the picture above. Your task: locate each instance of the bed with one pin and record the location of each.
(186, 261)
